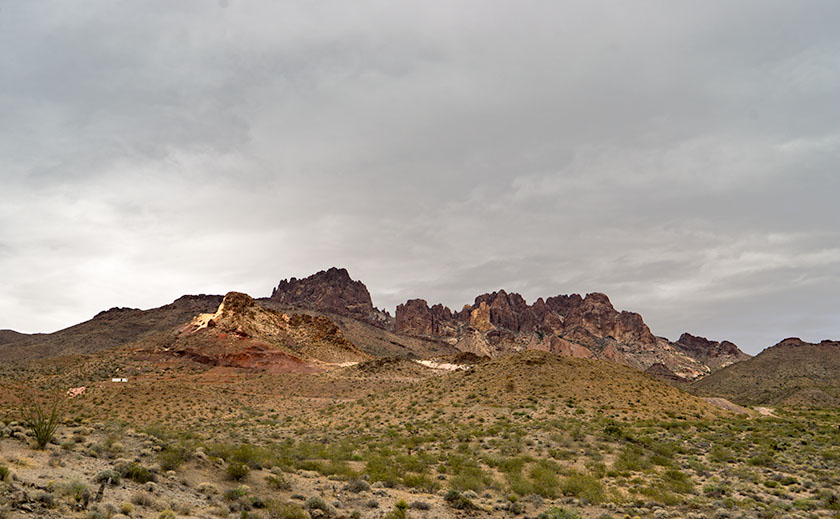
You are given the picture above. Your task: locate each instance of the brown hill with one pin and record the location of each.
(109, 329)
(544, 384)
(242, 333)
(792, 372)
(9, 336)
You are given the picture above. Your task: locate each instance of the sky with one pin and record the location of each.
(681, 157)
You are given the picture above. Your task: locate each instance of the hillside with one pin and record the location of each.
(109, 329)
(540, 384)
(7, 336)
(792, 372)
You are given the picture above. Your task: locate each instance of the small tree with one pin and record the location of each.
(43, 418)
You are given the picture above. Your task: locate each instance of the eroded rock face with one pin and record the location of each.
(500, 322)
(244, 334)
(415, 317)
(715, 354)
(328, 291)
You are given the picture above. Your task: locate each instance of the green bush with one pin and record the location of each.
(112, 477)
(172, 457)
(399, 511)
(317, 503)
(458, 501)
(237, 471)
(583, 486)
(4, 473)
(136, 472)
(283, 510)
(559, 513)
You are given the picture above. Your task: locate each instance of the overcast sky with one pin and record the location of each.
(681, 157)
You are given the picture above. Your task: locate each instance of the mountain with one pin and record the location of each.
(327, 291)
(8, 336)
(109, 329)
(499, 323)
(496, 324)
(792, 372)
(241, 333)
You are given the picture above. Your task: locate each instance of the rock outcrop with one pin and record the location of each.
(499, 322)
(330, 291)
(713, 353)
(242, 333)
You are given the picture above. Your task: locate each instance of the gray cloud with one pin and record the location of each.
(680, 158)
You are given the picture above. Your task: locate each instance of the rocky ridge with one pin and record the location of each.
(588, 326)
(330, 291)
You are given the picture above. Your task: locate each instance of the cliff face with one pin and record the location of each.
(327, 291)
(500, 322)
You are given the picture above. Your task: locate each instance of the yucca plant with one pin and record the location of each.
(42, 419)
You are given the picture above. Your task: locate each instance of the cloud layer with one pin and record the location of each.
(680, 158)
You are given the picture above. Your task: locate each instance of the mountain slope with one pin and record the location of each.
(9, 336)
(792, 372)
(546, 384)
(109, 329)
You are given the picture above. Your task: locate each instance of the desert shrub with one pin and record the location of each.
(458, 501)
(468, 474)
(421, 482)
(233, 494)
(74, 489)
(237, 471)
(721, 454)
(678, 481)
(631, 458)
(43, 419)
(112, 477)
(142, 499)
(544, 480)
(419, 505)
(173, 456)
(559, 513)
(357, 485)
(399, 511)
(317, 503)
(283, 510)
(583, 486)
(4, 473)
(278, 482)
(136, 472)
(126, 508)
(167, 514)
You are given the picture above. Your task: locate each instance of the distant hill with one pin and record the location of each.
(543, 385)
(792, 372)
(109, 329)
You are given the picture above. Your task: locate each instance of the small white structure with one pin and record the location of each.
(119, 380)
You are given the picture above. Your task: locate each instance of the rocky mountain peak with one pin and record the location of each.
(331, 290)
